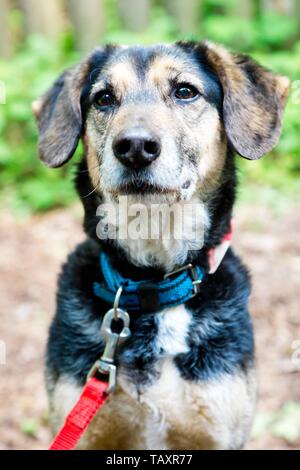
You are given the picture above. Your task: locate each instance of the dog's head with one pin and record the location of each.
(160, 119)
(159, 125)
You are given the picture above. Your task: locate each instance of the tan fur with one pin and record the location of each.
(283, 86)
(211, 167)
(62, 396)
(122, 76)
(92, 163)
(36, 107)
(165, 68)
(173, 413)
(162, 69)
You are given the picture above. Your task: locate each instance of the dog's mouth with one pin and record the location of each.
(144, 188)
(143, 183)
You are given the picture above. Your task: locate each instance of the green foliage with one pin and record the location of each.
(267, 32)
(24, 181)
(284, 423)
(25, 184)
(29, 428)
(162, 28)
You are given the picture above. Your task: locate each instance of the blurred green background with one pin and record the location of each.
(39, 39)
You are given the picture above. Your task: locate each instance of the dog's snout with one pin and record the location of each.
(136, 149)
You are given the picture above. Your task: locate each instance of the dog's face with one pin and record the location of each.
(153, 124)
(158, 120)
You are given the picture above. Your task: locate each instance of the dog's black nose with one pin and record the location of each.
(136, 149)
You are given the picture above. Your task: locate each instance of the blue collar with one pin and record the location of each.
(174, 289)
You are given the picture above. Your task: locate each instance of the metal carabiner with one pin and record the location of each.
(112, 339)
(105, 365)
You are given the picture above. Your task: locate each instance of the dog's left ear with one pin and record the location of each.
(59, 116)
(253, 101)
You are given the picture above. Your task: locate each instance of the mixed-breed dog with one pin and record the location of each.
(159, 124)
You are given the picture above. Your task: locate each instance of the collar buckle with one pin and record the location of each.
(194, 275)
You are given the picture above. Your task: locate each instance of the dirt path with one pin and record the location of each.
(30, 257)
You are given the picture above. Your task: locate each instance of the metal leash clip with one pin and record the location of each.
(105, 365)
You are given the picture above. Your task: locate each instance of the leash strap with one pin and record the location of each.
(90, 401)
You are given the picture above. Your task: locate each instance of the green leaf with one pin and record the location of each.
(287, 422)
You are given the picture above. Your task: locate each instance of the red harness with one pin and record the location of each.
(95, 391)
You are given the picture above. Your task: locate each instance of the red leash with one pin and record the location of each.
(95, 391)
(91, 399)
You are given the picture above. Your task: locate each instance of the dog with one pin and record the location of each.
(159, 124)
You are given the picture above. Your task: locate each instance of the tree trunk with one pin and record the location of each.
(43, 17)
(186, 13)
(285, 7)
(88, 19)
(6, 47)
(134, 14)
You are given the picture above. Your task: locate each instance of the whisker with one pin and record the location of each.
(89, 194)
(91, 169)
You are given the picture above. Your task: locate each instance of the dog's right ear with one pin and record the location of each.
(59, 119)
(59, 116)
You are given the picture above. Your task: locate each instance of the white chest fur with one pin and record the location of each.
(173, 325)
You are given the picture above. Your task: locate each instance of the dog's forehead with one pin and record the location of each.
(142, 59)
(132, 65)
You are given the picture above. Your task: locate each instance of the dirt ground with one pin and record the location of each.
(31, 253)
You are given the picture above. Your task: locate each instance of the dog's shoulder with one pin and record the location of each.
(74, 337)
(221, 332)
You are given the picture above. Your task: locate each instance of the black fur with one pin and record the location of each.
(220, 336)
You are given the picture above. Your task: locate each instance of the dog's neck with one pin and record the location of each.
(149, 258)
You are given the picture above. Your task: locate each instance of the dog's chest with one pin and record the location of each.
(148, 406)
(167, 411)
(160, 401)
(174, 413)
(159, 406)
(154, 338)
(140, 363)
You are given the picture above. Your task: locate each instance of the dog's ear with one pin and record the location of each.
(253, 100)
(59, 119)
(59, 116)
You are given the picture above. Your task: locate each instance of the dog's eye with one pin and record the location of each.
(104, 98)
(186, 92)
